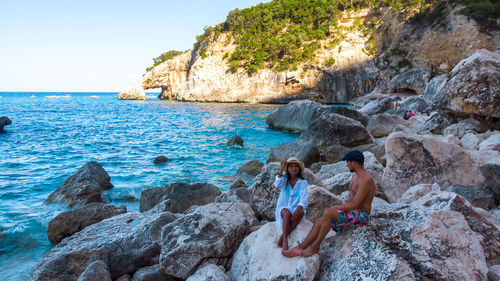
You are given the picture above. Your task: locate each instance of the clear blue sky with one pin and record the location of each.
(92, 45)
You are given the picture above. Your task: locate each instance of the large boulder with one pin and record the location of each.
(125, 242)
(477, 196)
(235, 140)
(67, 223)
(259, 258)
(346, 112)
(491, 171)
(251, 168)
(436, 123)
(294, 116)
(97, 270)
(84, 187)
(331, 170)
(266, 195)
(180, 196)
(4, 121)
(318, 200)
(333, 153)
(151, 273)
(381, 125)
(472, 87)
(418, 191)
(416, 159)
(470, 141)
(414, 79)
(330, 129)
(480, 221)
(209, 272)
(211, 231)
(405, 242)
(338, 183)
(491, 143)
(134, 92)
(377, 106)
(415, 104)
(307, 152)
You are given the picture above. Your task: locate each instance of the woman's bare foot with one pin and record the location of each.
(309, 251)
(293, 252)
(280, 241)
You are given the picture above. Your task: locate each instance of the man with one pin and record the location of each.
(355, 210)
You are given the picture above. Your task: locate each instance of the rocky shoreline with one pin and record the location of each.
(436, 215)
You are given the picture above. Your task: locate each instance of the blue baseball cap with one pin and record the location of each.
(354, 155)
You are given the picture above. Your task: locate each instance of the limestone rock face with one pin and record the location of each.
(180, 196)
(377, 106)
(210, 231)
(67, 223)
(266, 195)
(251, 168)
(416, 159)
(330, 129)
(126, 242)
(84, 187)
(405, 242)
(473, 86)
(307, 152)
(318, 200)
(4, 121)
(381, 125)
(480, 221)
(134, 92)
(258, 257)
(414, 79)
(97, 270)
(209, 272)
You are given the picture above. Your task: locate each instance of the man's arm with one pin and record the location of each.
(363, 190)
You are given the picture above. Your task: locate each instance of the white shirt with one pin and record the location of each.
(290, 198)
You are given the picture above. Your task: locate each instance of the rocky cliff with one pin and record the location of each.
(337, 74)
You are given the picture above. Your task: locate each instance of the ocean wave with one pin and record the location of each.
(59, 97)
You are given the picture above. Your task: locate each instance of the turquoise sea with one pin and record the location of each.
(54, 134)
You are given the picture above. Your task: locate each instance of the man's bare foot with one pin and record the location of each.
(293, 252)
(285, 244)
(309, 251)
(280, 241)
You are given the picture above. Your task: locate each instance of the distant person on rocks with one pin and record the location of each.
(355, 211)
(411, 115)
(406, 116)
(292, 201)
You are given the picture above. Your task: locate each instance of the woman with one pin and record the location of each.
(292, 201)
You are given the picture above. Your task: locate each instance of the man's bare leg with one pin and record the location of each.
(283, 241)
(323, 229)
(311, 236)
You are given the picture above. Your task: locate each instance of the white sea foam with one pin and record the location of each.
(59, 97)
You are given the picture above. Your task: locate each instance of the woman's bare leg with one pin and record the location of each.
(283, 241)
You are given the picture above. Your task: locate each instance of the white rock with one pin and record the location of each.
(209, 272)
(417, 191)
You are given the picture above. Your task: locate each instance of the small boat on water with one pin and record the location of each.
(94, 97)
(59, 97)
(33, 96)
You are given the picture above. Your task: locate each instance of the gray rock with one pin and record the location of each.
(480, 221)
(236, 195)
(126, 242)
(405, 242)
(330, 129)
(418, 191)
(377, 106)
(435, 86)
(160, 159)
(491, 143)
(305, 151)
(318, 200)
(381, 125)
(473, 86)
(470, 141)
(235, 140)
(459, 129)
(97, 270)
(210, 231)
(125, 277)
(295, 116)
(266, 195)
(84, 187)
(331, 170)
(4, 121)
(494, 273)
(151, 273)
(436, 124)
(317, 166)
(414, 79)
(491, 172)
(251, 168)
(333, 153)
(338, 183)
(209, 272)
(377, 148)
(180, 196)
(346, 112)
(67, 223)
(477, 196)
(414, 104)
(417, 159)
(238, 183)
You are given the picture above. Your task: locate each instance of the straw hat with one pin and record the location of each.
(297, 161)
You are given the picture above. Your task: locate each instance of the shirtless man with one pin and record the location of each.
(356, 210)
